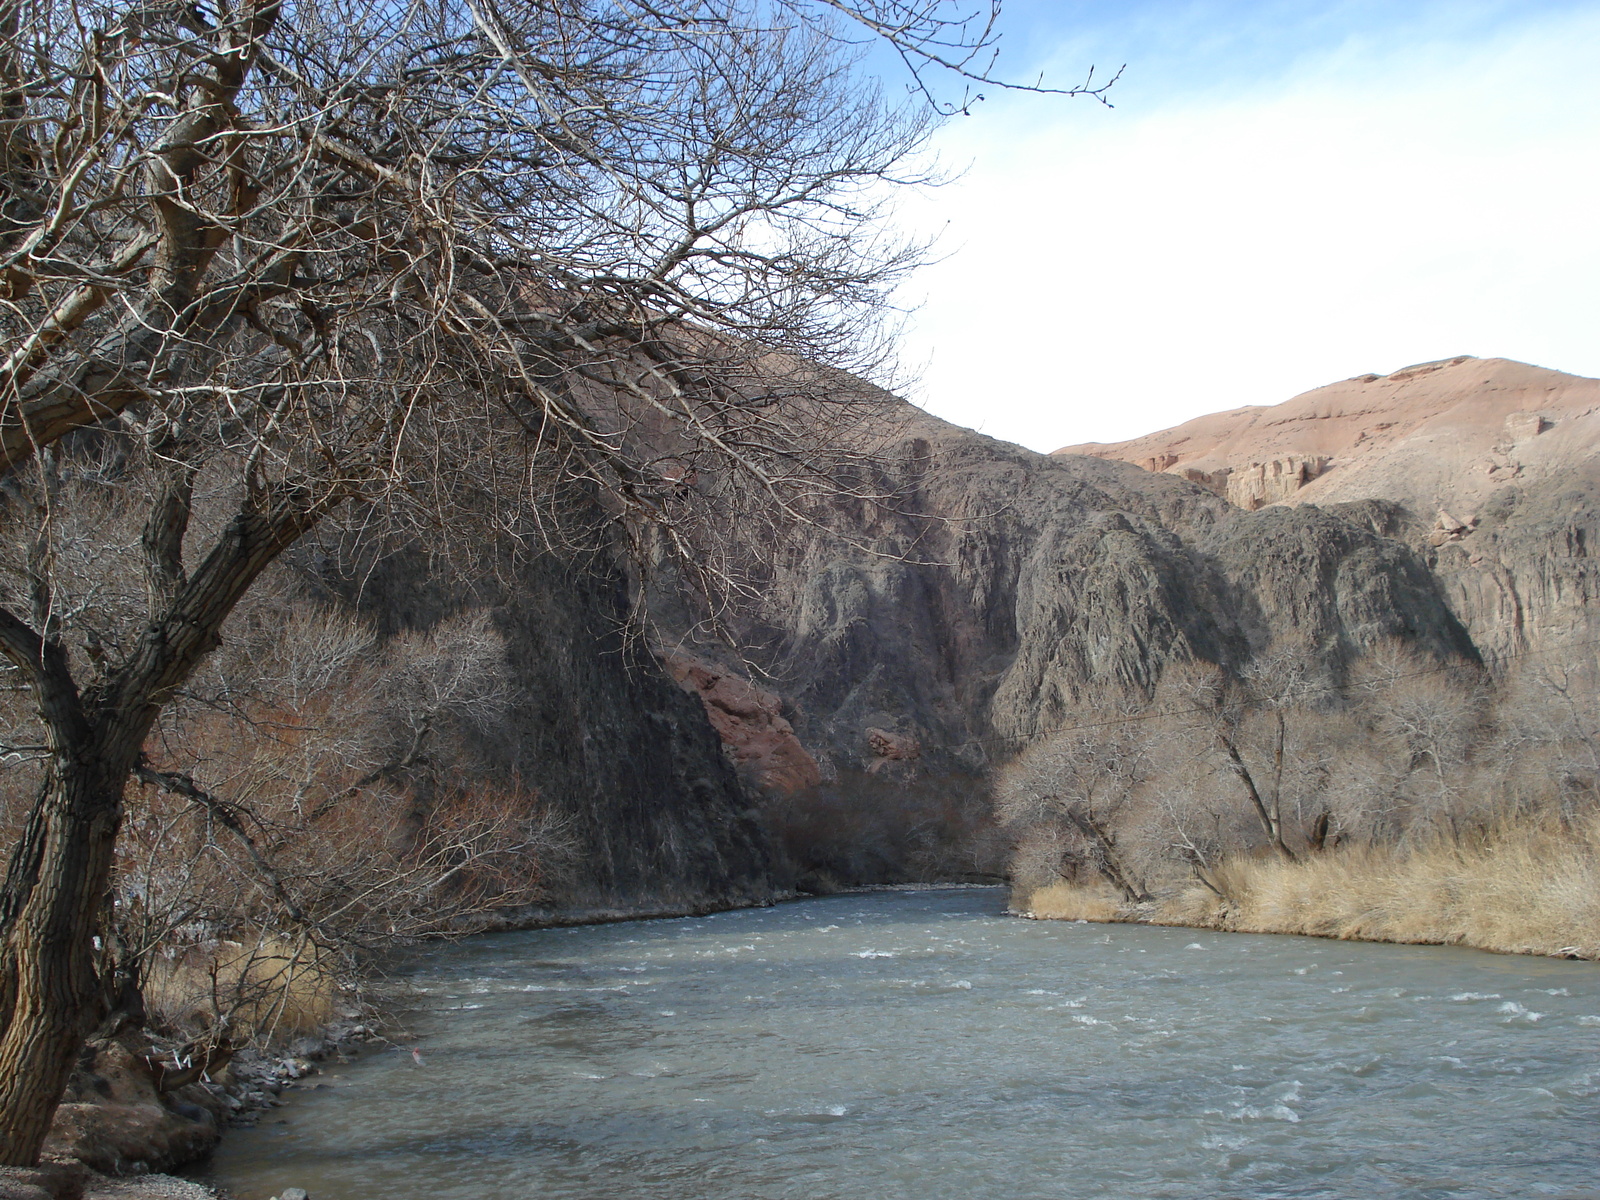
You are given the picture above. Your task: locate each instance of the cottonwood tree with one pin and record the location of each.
(1068, 792)
(1261, 725)
(1429, 718)
(261, 260)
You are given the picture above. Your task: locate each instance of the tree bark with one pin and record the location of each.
(50, 995)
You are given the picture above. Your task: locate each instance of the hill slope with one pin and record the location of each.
(1488, 467)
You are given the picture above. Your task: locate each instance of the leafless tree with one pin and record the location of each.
(1068, 792)
(1245, 719)
(1548, 724)
(261, 261)
(1430, 719)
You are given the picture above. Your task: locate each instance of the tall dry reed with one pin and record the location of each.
(1530, 888)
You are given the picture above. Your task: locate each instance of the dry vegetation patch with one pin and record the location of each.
(1529, 888)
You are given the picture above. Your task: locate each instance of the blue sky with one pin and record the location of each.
(1283, 195)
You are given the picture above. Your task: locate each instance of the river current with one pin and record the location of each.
(923, 1046)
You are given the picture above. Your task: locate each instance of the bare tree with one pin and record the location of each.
(1430, 718)
(263, 261)
(1549, 726)
(1068, 792)
(1217, 709)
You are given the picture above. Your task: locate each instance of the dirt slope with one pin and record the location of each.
(1437, 436)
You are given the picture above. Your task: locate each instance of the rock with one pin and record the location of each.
(1021, 588)
(896, 747)
(1520, 426)
(1258, 484)
(116, 1121)
(1517, 445)
(294, 1194)
(750, 723)
(313, 1049)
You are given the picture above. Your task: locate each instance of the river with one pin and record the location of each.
(924, 1046)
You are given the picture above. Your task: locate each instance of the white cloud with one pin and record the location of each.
(1114, 272)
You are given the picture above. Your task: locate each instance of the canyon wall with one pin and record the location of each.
(896, 653)
(1485, 467)
(652, 810)
(1008, 592)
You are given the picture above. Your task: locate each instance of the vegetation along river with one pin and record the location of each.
(921, 1045)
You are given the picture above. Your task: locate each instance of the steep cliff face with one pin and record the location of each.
(1524, 576)
(1015, 590)
(890, 666)
(654, 810)
(1489, 466)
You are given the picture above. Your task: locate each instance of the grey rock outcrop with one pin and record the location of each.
(1490, 467)
(1015, 589)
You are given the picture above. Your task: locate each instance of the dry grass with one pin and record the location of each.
(1528, 889)
(1073, 902)
(268, 990)
(1522, 889)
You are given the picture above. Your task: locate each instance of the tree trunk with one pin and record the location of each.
(1272, 828)
(1104, 846)
(50, 996)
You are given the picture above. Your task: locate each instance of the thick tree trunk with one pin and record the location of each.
(50, 996)
(56, 885)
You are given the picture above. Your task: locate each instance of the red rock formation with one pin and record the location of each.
(750, 723)
(1440, 435)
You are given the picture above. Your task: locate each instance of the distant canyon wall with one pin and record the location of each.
(1012, 592)
(1004, 594)
(1488, 468)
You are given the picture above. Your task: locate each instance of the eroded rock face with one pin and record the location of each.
(1014, 589)
(1490, 466)
(750, 723)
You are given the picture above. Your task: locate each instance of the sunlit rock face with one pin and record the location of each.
(750, 722)
(1490, 467)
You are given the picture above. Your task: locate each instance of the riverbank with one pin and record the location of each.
(73, 1181)
(1529, 889)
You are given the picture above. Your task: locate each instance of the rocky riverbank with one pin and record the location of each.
(138, 1105)
(73, 1181)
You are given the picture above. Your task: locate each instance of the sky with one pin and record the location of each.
(1281, 195)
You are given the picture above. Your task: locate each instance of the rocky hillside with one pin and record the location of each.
(899, 652)
(1486, 467)
(1010, 590)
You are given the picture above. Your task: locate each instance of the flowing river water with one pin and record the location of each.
(923, 1046)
